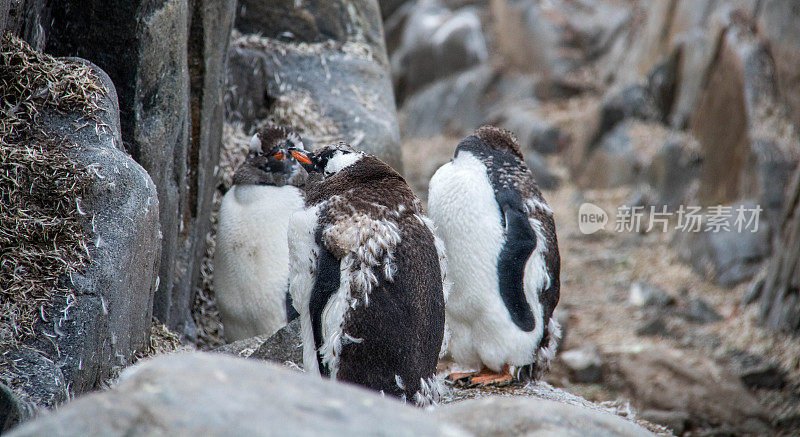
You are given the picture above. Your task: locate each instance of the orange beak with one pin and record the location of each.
(301, 157)
(279, 155)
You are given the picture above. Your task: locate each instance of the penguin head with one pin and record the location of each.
(334, 158)
(276, 157)
(499, 139)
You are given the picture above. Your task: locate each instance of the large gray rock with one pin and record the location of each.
(215, 395)
(346, 84)
(314, 21)
(674, 170)
(500, 416)
(85, 339)
(451, 106)
(777, 22)
(284, 346)
(436, 43)
(727, 254)
(170, 118)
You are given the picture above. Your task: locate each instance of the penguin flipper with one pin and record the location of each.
(327, 283)
(519, 244)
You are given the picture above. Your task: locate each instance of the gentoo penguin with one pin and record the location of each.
(251, 260)
(367, 277)
(503, 260)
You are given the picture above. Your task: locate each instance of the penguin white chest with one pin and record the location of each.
(251, 261)
(461, 202)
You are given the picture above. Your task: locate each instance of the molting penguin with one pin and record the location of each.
(251, 261)
(503, 259)
(367, 277)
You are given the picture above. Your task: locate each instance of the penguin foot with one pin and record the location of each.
(460, 377)
(488, 377)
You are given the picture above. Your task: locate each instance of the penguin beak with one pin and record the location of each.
(300, 156)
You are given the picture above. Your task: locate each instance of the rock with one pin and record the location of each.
(661, 85)
(585, 364)
(674, 170)
(654, 325)
(343, 86)
(738, 113)
(315, 21)
(756, 372)
(215, 395)
(499, 416)
(242, 348)
(612, 163)
(643, 294)
(723, 253)
(700, 311)
(435, 44)
(451, 106)
(534, 133)
(777, 22)
(85, 339)
(594, 26)
(620, 103)
(676, 421)
(526, 39)
(34, 382)
(541, 173)
(668, 379)
(774, 168)
(167, 75)
(26, 19)
(284, 346)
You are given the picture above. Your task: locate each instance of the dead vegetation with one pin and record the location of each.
(41, 239)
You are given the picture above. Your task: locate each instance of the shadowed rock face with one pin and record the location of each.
(84, 339)
(166, 59)
(331, 52)
(214, 395)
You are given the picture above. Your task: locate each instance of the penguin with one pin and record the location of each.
(503, 260)
(251, 260)
(367, 276)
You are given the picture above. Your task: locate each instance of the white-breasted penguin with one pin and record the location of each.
(251, 260)
(367, 277)
(503, 260)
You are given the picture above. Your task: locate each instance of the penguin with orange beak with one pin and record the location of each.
(251, 260)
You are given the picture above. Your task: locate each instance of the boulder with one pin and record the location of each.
(83, 340)
(777, 23)
(546, 179)
(330, 90)
(284, 346)
(700, 311)
(313, 21)
(215, 395)
(756, 372)
(165, 59)
(612, 163)
(623, 102)
(643, 294)
(676, 421)
(674, 170)
(534, 133)
(451, 106)
(436, 43)
(503, 416)
(721, 250)
(585, 364)
(241, 348)
(671, 380)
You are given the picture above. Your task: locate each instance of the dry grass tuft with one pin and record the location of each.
(41, 240)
